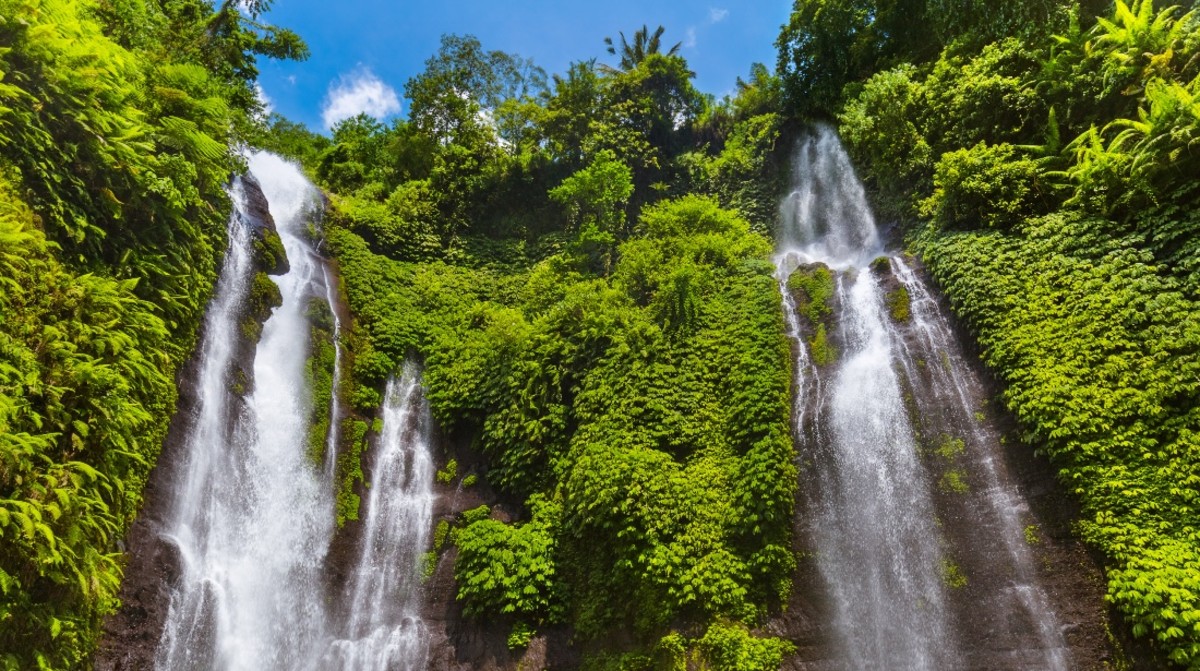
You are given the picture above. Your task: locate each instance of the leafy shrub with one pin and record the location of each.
(730, 647)
(510, 569)
(982, 186)
(814, 291)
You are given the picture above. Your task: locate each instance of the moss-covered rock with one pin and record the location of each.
(264, 297)
(349, 470)
(813, 288)
(899, 304)
(823, 352)
(319, 371)
(269, 254)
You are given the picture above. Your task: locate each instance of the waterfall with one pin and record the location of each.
(252, 523)
(875, 532)
(884, 547)
(384, 628)
(335, 408)
(250, 514)
(952, 392)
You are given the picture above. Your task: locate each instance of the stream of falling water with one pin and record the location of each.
(877, 543)
(252, 516)
(1002, 507)
(384, 631)
(874, 523)
(335, 408)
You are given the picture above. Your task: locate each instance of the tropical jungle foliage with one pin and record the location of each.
(1045, 163)
(582, 262)
(116, 122)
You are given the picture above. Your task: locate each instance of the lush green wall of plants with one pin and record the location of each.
(642, 417)
(115, 127)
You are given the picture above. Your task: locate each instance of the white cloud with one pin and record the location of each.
(263, 99)
(690, 40)
(717, 15)
(291, 79)
(359, 92)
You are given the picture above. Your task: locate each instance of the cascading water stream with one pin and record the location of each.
(384, 631)
(874, 519)
(253, 522)
(877, 542)
(252, 517)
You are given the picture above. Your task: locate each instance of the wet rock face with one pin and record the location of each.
(269, 256)
(131, 635)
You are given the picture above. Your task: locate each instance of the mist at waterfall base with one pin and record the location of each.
(253, 517)
(863, 427)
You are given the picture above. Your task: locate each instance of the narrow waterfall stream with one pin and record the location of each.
(335, 408)
(252, 516)
(885, 402)
(384, 631)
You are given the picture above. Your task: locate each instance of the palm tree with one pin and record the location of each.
(643, 45)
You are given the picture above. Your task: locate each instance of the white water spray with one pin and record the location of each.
(335, 407)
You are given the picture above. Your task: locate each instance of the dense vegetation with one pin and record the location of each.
(1046, 170)
(582, 264)
(115, 127)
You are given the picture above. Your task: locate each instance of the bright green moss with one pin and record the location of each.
(349, 470)
(822, 351)
(952, 575)
(269, 254)
(899, 304)
(814, 289)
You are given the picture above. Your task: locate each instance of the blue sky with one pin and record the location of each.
(364, 50)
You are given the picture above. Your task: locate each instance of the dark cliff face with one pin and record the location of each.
(153, 565)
